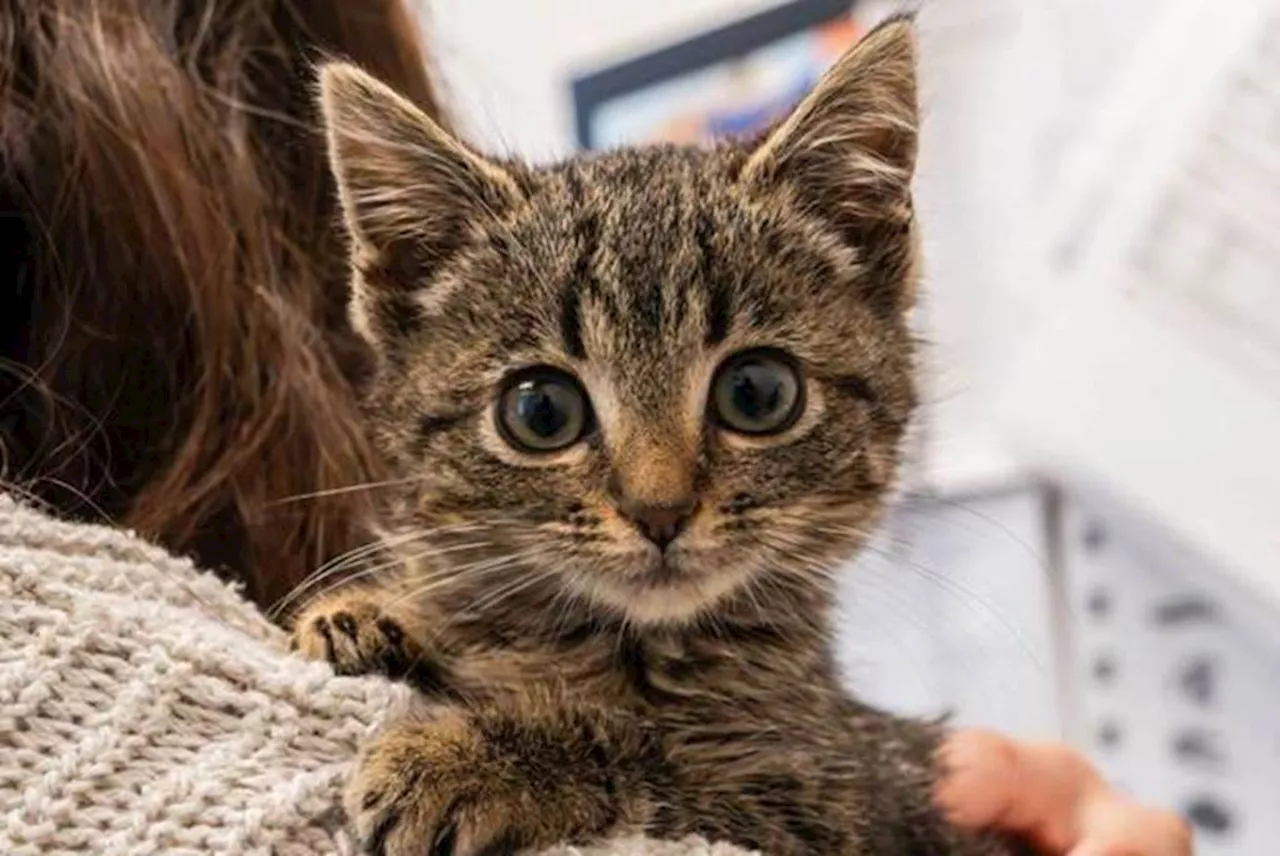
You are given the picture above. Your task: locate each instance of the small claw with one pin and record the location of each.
(376, 845)
(445, 841)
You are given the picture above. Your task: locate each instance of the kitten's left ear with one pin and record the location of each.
(847, 152)
(411, 192)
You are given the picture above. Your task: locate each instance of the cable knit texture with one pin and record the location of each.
(146, 708)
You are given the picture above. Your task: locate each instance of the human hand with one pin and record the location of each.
(1050, 795)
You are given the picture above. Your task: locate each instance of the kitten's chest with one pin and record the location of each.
(518, 671)
(651, 674)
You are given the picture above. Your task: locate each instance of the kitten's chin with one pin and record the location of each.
(664, 594)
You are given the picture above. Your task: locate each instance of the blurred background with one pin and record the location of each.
(1087, 545)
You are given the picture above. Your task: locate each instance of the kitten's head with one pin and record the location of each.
(652, 379)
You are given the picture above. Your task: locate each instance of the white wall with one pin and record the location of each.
(949, 612)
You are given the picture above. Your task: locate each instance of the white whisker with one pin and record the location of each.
(345, 489)
(452, 574)
(354, 557)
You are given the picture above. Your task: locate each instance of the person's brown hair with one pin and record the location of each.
(174, 349)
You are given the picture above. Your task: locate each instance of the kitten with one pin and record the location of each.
(644, 403)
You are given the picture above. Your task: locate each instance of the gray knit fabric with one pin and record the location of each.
(146, 708)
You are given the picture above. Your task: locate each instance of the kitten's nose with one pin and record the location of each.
(661, 524)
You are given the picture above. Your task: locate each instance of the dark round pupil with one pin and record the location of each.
(538, 410)
(757, 393)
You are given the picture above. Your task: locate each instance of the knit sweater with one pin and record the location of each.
(146, 708)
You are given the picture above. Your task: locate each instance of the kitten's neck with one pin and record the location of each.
(752, 640)
(735, 654)
(744, 649)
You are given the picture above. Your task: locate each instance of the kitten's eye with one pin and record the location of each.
(758, 392)
(543, 410)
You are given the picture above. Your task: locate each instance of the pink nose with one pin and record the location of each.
(661, 524)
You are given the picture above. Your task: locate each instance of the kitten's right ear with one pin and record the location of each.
(846, 154)
(410, 191)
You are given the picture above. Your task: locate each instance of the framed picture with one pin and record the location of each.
(734, 80)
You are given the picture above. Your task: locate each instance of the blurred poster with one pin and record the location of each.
(739, 96)
(730, 82)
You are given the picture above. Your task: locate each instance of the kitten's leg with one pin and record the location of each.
(800, 782)
(463, 781)
(359, 630)
(494, 780)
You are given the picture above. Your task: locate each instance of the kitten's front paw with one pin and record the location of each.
(445, 787)
(351, 631)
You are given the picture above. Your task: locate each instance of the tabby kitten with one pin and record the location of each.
(643, 403)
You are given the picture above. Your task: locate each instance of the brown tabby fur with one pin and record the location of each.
(575, 690)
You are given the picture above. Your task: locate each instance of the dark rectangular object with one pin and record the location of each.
(703, 51)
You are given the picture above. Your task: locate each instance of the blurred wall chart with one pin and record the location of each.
(731, 82)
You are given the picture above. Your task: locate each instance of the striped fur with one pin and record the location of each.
(574, 691)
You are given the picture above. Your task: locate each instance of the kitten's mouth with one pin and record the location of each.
(664, 570)
(674, 566)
